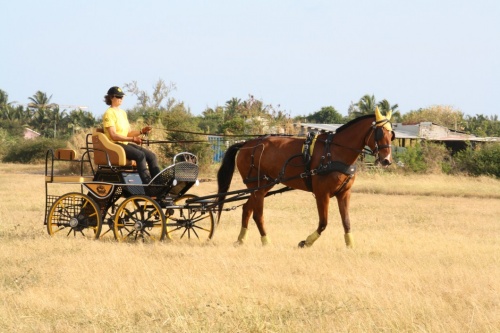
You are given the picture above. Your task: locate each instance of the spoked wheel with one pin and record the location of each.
(139, 218)
(189, 222)
(74, 215)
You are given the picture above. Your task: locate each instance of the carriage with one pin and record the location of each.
(114, 196)
(109, 199)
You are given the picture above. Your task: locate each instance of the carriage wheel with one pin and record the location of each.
(139, 218)
(190, 222)
(74, 215)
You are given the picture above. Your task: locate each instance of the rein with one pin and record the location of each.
(148, 142)
(211, 134)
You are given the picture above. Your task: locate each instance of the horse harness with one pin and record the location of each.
(325, 166)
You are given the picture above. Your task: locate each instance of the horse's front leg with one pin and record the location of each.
(343, 201)
(322, 202)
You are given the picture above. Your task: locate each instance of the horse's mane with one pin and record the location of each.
(352, 122)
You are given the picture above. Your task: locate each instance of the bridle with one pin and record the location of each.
(376, 128)
(378, 132)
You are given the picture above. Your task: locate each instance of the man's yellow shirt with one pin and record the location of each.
(118, 119)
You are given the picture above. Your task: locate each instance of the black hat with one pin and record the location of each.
(115, 91)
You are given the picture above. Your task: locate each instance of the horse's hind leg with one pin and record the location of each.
(258, 215)
(254, 206)
(245, 217)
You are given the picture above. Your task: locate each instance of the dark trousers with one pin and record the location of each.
(144, 158)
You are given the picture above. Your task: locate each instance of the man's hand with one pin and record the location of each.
(146, 130)
(137, 140)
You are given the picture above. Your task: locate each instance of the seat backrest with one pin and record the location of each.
(65, 154)
(103, 145)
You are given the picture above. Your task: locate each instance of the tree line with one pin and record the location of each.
(174, 121)
(236, 116)
(43, 116)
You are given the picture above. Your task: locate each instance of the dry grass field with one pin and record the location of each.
(427, 259)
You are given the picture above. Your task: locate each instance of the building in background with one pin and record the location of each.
(30, 134)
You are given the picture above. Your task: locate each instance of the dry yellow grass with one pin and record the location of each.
(426, 260)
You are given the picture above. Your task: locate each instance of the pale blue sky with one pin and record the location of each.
(302, 55)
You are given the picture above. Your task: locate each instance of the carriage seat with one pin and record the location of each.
(65, 154)
(116, 153)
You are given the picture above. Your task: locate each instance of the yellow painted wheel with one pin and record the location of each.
(74, 215)
(139, 218)
(189, 222)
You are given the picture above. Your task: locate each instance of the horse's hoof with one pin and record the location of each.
(302, 244)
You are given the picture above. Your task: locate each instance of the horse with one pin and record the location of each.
(323, 164)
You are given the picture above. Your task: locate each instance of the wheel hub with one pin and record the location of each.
(138, 225)
(73, 222)
(188, 224)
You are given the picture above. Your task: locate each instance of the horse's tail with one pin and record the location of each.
(225, 174)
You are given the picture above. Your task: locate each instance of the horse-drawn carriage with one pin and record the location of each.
(114, 196)
(111, 199)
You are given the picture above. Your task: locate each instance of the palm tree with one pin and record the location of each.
(384, 107)
(21, 115)
(56, 117)
(366, 105)
(76, 118)
(40, 101)
(5, 109)
(233, 106)
(42, 108)
(41, 119)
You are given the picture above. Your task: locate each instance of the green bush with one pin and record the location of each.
(437, 157)
(484, 160)
(413, 159)
(426, 157)
(31, 151)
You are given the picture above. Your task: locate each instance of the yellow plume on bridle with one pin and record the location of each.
(383, 121)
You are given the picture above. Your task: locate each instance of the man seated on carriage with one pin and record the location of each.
(117, 128)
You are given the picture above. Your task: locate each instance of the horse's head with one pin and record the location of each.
(380, 138)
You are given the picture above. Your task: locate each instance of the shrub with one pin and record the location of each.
(31, 151)
(485, 160)
(425, 157)
(412, 159)
(436, 157)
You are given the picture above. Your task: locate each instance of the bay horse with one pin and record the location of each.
(323, 164)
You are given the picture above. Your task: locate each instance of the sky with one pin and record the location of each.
(298, 56)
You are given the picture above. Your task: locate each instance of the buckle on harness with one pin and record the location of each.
(308, 173)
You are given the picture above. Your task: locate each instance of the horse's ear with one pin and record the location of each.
(383, 121)
(378, 115)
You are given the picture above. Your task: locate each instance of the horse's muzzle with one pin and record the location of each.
(385, 162)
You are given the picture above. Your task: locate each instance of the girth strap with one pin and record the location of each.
(307, 152)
